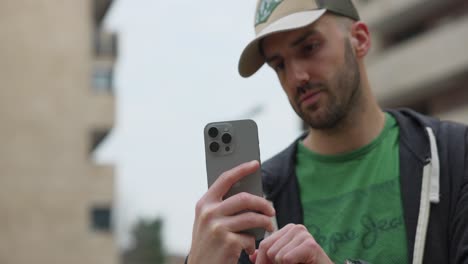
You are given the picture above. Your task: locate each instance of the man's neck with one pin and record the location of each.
(356, 130)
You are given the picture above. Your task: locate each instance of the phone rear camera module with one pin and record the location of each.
(226, 138)
(214, 146)
(213, 132)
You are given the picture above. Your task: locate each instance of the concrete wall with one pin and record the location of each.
(459, 115)
(419, 54)
(48, 181)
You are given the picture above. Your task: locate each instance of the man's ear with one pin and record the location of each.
(360, 39)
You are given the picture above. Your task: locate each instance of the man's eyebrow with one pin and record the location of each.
(262, 52)
(295, 43)
(302, 38)
(272, 58)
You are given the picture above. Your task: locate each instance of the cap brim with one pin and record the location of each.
(251, 60)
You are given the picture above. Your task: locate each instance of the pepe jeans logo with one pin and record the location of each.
(265, 9)
(371, 230)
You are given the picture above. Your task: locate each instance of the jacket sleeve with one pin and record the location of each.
(459, 244)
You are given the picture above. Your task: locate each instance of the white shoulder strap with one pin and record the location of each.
(429, 194)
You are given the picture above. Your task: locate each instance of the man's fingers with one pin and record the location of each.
(292, 244)
(226, 180)
(270, 240)
(267, 243)
(306, 252)
(247, 242)
(253, 257)
(262, 258)
(248, 220)
(280, 253)
(246, 201)
(275, 248)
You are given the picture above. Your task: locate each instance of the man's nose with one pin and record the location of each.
(298, 75)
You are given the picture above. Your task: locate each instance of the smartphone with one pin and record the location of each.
(227, 145)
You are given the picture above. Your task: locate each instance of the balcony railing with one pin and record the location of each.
(419, 65)
(105, 44)
(100, 8)
(388, 17)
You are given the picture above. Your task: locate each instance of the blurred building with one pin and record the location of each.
(419, 57)
(56, 106)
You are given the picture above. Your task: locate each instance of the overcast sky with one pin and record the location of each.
(177, 71)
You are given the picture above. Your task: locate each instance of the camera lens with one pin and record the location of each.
(213, 132)
(226, 138)
(214, 146)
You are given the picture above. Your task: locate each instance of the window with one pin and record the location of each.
(97, 136)
(101, 219)
(102, 80)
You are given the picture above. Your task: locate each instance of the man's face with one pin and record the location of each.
(317, 69)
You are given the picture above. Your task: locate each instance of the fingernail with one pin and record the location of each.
(271, 228)
(273, 211)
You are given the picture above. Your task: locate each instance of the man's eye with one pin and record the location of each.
(279, 66)
(311, 47)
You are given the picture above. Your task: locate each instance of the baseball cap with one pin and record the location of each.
(272, 16)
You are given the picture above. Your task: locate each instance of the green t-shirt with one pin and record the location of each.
(351, 201)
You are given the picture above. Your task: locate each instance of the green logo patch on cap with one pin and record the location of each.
(265, 8)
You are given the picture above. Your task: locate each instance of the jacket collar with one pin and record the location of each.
(413, 134)
(413, 141)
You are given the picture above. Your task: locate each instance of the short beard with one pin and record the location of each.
(347, 78)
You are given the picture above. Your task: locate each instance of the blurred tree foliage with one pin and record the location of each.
(148, 245)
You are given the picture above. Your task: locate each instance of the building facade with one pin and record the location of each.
(419, 57)
(56, 106)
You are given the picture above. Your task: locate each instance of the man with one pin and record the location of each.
(383, 187)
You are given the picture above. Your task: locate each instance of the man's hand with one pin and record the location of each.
(290, 245)
(216, 237)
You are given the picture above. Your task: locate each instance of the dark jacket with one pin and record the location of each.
(447, 230)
